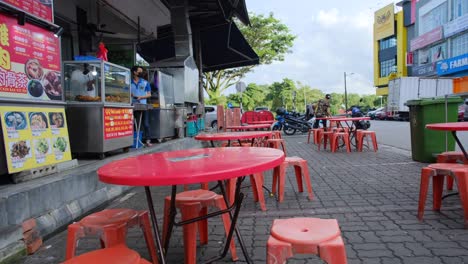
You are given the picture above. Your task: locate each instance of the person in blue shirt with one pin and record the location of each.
(141, 91)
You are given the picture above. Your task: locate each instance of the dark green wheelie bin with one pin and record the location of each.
(425, 143)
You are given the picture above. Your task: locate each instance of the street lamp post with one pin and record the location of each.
(345, 91)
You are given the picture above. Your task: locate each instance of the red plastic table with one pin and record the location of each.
(229, 136)
(269, 122)
(249, 127)
(190, 167)
(452, 127)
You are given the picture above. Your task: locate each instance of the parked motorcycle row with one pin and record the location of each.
(292, 122)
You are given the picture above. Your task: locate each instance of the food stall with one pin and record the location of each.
(32, 113)
(99, 110)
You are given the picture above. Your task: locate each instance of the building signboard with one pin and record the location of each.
(384, 22)
(37, 8)
(453, 65)
(424, 70)
(426, 39)
(456, 26)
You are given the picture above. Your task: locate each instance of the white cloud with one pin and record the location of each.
(328, 18)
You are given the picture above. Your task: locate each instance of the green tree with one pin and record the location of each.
(269, 38)
(280, 94)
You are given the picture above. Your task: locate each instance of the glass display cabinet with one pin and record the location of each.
(99, 110)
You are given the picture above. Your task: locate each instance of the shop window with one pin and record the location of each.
(460, 8)
(438, 52)
(387, 67)
(387, 43)
(424, 56)
(460, 45)
(433, 19)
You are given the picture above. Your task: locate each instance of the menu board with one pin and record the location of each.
(118, 122)
(37, 8)
(34, 137)
(29, 62)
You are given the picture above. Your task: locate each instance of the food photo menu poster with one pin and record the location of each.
(34, 137)
(29, 62)
(37, 8)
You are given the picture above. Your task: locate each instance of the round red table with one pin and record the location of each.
(188, 167)
(249, 127)
(229, 136)
(452, 127)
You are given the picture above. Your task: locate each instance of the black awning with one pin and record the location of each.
(224, 46)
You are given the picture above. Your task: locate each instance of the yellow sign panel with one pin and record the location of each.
(381, 91)
(34, 136)
(384, 22)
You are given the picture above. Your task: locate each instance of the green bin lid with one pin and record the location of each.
(434, 100)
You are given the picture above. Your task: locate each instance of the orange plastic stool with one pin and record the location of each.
(316, 236)
(325, 136)
(119, 254)
(111, 225)
(277, 143)
(302, 172)
(194, 204)
(276, 134)
(361, 134)
(451, 157)
(335, 141)
(256, 181)
(437, 173)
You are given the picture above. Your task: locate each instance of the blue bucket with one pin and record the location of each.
(137, 144)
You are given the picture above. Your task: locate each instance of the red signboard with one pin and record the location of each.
(118, 122)
(413, 11)
(37, 8)
(29, 62)
(426, 39)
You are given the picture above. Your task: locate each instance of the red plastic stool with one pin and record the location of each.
(276, 134)
(437, 172)
(119, 254)
(301, 170)
(325, 136)
(277, 143)
(361, 134)
(256, 181)
(335, 141)
(316, 236)
(111, 225)
(451, 157)
(194, 204)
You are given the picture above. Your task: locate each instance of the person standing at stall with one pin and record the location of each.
(141, 91)
(322, 109)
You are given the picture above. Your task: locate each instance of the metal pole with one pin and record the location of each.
(305, 102)
(446, 120)
(345, 93)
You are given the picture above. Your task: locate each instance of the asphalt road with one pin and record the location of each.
(397, 134)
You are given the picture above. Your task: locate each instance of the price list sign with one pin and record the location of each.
(29, 62)
(37, 8)
(118, 122)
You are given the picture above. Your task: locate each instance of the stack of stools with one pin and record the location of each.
(119, 254)
(335, 140)
(361, 134)
(302, 173)
(316, 236)
(111, 225)
(451, 157)
(194, 204)
(437, 172)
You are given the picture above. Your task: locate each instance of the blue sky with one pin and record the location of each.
(333, 36)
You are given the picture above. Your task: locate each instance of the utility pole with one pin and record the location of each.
(345, 93)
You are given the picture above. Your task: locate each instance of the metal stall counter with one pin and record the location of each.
(99, 110)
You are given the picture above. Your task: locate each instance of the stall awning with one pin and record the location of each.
(224, 46)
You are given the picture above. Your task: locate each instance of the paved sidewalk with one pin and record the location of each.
(373, 195)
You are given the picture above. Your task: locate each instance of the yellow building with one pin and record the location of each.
(390, 42)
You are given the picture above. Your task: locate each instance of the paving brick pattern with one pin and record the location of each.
(373, 195)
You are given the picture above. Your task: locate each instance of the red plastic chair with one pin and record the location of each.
(335, 141)
(119, 254)
(361, 134)
(316, 236)
(325, 136)
(264, 116)
(302, 173)
(111, 226)
(194, 204)
(451, 157)
(247, 117)
(437, 172)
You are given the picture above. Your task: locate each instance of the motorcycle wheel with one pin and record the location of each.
(289, 131)
(275, 127)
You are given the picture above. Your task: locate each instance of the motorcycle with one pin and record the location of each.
(290, 123)
(356, 112)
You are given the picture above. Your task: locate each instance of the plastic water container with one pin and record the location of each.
(192, 128)
(201, 124)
